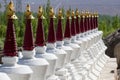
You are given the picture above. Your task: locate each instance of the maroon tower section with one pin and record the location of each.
(77, 25)
(73, 26)
(40, 39)
(67, 33)
(85, 23)
(10, 46)
(59, 32)
(88, 26)
(51, 33)
(28, 36)
(89, 22)
(92, 22)
(96, 20)
(82, 29)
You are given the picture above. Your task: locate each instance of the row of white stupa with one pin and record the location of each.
(87, 65)
(80, 57)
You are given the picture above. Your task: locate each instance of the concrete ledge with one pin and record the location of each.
(107, 73)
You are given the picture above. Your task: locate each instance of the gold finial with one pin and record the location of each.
(52, 15)
(82, 14)
(73, 14)
(87, 13)
(94, 15)
(77, 13)
(90, 14)
(68, 14)
(28, 13)
(11, 11)
(40, 12)
(60, 16)
(97, 14)
(11, 5)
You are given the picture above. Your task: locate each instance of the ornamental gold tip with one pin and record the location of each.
(28, 13)
(60, 16)
(90, 14)
(87, 13)
(11, 5)
(28, 7)
(40, 13)
(73, 14)
(77, 13)
(68, 14)
(51, 13)
(96, 14)
(11, 11)
(82, 14)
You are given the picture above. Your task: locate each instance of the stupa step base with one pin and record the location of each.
(4, 76)
(95, 72)
(65, 77)
(63, 74)
(38, 65)
(92, 76)
(53, 77)
(18, 72)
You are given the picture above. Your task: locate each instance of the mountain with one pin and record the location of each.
(109, 7)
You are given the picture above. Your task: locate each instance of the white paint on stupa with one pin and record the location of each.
(4, 76)
(38, 65)
(13, 70)
(51, 58)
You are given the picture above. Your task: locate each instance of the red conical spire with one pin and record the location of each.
(51, 33)
(67, 33)
(10, 46)
(28, 36)
(91, 21)
(85, 23)
(40, 39)
(94, 21)
(73, 26)
(97, 20)
(59, 32)
(82, 28)
(77, 22)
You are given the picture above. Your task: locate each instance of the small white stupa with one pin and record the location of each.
(10, 59)
(38, 65)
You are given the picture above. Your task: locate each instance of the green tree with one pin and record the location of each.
(0, 6)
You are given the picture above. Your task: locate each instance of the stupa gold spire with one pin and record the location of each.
(73, 14)
(60, 16)
(28, 13)
(77, 13)
(68, 14)
(51, 13)
(82, 14)
(96, 14)
(87, 13)
(40, 13)
(11, 11)
(90, 14)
